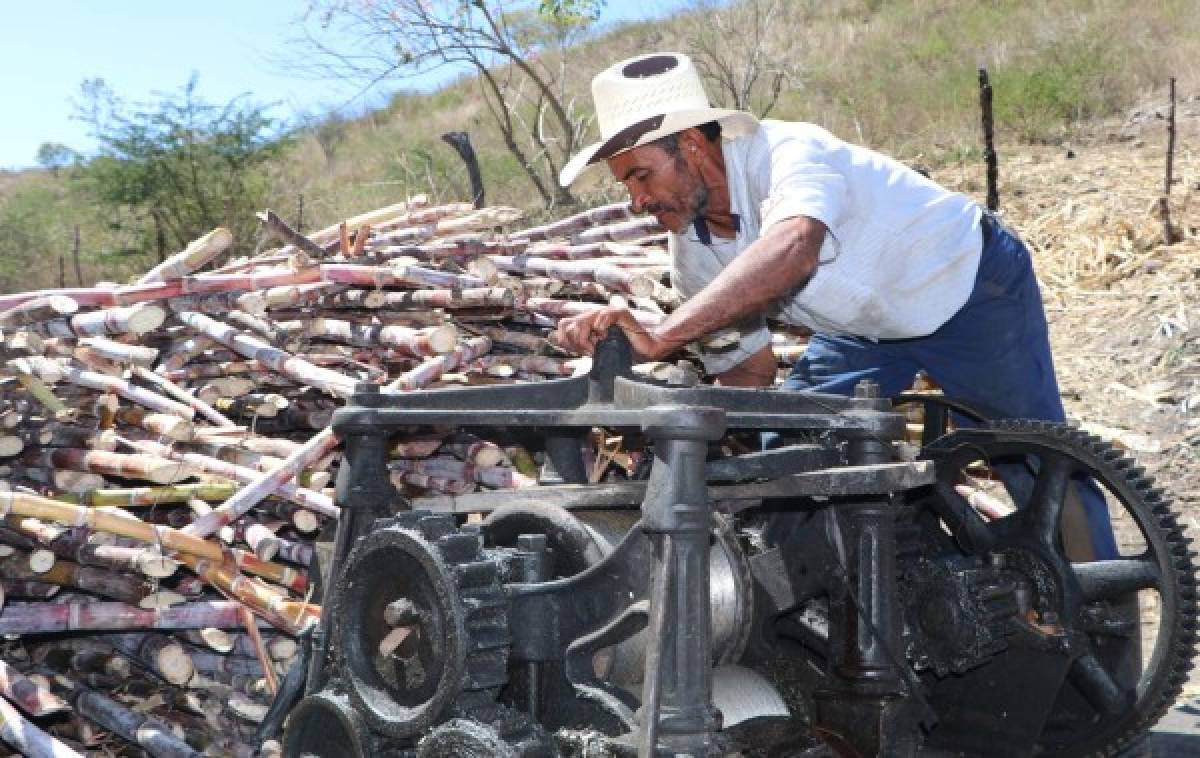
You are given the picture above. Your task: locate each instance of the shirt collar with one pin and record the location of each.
(705, 236)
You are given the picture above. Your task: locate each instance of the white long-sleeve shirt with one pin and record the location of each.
(900, 257)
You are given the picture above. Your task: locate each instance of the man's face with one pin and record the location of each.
(662, 184)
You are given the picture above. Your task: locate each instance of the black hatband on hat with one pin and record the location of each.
(627, 137)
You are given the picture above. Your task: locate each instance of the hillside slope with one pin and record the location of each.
(899, 76)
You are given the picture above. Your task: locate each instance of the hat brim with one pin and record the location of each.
(733, 124)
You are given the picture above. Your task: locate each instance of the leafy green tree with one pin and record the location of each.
(178, 167)
(55, 156)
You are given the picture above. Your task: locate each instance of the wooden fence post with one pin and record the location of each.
(75, 258)
(461, 142)
(1170, 236)
(989, 146)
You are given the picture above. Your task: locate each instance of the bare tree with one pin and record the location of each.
(517, 49)
(735, 50)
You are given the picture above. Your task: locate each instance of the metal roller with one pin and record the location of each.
(326, 725)
(582, 538)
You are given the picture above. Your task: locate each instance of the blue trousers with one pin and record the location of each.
(994, 354)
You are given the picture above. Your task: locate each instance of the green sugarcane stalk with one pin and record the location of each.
(149, 496)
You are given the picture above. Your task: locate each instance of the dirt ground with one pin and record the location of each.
(1123, 307)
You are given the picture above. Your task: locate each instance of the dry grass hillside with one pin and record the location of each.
(898, 75)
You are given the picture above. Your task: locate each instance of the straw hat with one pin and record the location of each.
(644, 98)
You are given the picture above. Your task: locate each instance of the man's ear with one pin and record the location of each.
(691, 140)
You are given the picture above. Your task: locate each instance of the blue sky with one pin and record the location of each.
(139, 47)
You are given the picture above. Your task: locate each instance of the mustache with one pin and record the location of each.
(697, 205)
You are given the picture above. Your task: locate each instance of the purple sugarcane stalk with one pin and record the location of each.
(22, 734)
(28, 696)
(66, 617)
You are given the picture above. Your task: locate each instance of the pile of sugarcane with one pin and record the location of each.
(166, 455)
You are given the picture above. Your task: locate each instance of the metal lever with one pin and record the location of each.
(612, 358)
(652, 686)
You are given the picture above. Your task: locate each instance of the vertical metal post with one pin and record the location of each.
(866, 449)
(532, 565)
(867, 711)
(677, 712)
(872, 632)
(365, 491)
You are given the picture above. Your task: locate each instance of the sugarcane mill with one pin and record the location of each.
(435, 482)
(776, 573)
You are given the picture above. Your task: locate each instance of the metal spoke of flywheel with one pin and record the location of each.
(1095, 683)
(1108, 580)
(1049, 493)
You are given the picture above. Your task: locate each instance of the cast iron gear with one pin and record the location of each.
(420, 627)
(1103, 706)
(490, 730)
(464, 737)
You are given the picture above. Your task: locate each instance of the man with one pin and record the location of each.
(892, 272)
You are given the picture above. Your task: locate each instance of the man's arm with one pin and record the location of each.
(782, 260)
(756, 371)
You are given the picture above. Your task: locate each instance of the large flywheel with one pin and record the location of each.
(1120, 630)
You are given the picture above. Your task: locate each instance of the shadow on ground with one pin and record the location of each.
(1176, 736)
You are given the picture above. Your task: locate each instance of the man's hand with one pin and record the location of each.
(579, 334)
